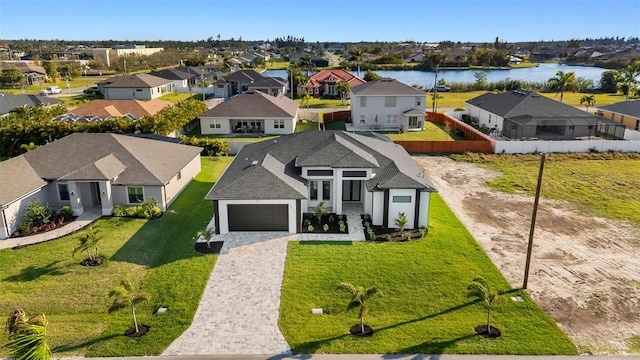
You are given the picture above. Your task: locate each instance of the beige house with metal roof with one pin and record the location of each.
(94, 171)
(135, 87)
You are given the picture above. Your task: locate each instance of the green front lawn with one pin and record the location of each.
(317, 103)
(35, 89)
(423, 307)
(156, 254)
(603, 184)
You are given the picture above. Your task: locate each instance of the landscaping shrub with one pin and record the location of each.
(37, 214)
(148, 209)
(210, 146)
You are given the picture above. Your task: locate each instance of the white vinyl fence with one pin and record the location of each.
(568, 146)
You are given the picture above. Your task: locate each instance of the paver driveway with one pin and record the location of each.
(239, 310)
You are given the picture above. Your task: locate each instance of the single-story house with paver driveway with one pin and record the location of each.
(94, 171)
(270, 184)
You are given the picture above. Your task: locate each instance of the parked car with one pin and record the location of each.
(442, 88)
(51, 90)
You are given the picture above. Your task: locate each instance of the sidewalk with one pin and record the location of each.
(89, 216)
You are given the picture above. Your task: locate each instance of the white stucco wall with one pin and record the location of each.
(396, 208)
(377, 213)
(205, 125)
(12, 213)
(484, 117)
(224, 214)
(175, 186)
(289, 126)
(120, 196)
(133, 93)
(423, 216)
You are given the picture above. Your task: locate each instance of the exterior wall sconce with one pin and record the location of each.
(72, 193)
(104, 193)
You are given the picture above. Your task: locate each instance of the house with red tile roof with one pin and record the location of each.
(324, 82)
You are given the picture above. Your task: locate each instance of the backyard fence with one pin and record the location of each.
(475, 140)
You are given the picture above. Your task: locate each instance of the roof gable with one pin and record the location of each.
(17, 179)
(336, 152)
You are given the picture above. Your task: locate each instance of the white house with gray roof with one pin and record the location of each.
(387, 104)
(251, 112)
(94, 171)
(525, 115)
(270, 184)
(135, 87)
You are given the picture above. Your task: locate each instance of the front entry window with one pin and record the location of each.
(63, 190)
(313, 190)
(135, 194)
(326, 190)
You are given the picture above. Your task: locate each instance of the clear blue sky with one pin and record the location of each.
(320, 20)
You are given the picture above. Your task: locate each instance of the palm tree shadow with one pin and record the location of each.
(452, 309)
(34, 272)
(431, 347)
(63, 348)
(311, 346)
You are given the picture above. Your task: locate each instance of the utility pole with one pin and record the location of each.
(435, 92)
(533, 222)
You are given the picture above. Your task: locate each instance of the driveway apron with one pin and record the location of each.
(238, 312)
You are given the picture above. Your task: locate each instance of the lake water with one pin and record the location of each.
(542, 73)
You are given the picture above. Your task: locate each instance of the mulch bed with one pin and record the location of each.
(390, 234)
(482, 330)
(357, 330)
(43, 229)
(99, 260)
(142, 329)
(215, 248)
(330, 219)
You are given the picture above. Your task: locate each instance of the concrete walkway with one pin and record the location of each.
(90, 215)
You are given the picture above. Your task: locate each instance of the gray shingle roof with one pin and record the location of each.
(386, 86)
(254, 104)
(9, 102)
(268, 169)
(17, 179)
(524, 106)
(146, 161)
(244, 76)
(627, 108)
(104, 169)
(172, 74)
(134, 81)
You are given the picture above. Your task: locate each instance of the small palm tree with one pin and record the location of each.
(563, 81)
(27, 336)
(628, 77)
(207, 234)
(343, 89)
(29, 147)
(88, 242)
(401, 222)
(359, 299)
(125, 296)
(480, 289)
(589, 100)
(320, 209)
(306, 99)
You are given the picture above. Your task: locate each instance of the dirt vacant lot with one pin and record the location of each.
(585, 271)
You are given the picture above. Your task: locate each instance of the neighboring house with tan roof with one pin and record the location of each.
(85, 170)
(324, 82)
(387, 104)
(102, 109)
(270, 184)
(251, 111)
(34, 74)
(137, 87)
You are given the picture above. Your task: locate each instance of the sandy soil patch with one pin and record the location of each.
(585, 271)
